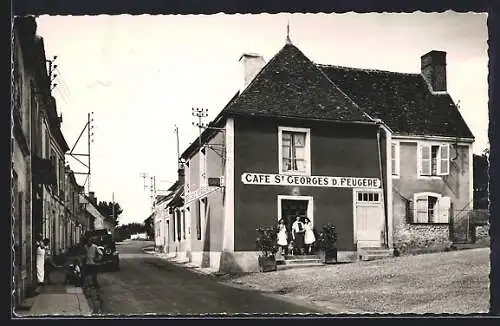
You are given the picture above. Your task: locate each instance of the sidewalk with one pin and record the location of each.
(183, 262)
(57, 299)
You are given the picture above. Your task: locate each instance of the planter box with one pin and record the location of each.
(329, 256)
(267, 264)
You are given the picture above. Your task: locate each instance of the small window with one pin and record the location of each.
(430, 208)
(294, 150)
(368, 197)
(434, 160)
(395, 159)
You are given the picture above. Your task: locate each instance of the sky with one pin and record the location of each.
(142, 75)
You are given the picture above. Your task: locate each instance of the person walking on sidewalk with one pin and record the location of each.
(92, 254)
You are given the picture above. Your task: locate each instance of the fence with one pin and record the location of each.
(464, 222)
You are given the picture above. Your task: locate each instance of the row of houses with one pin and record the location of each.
(385, 157)
(46, 198)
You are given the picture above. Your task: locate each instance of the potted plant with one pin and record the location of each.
(327, 243)
(267, 244)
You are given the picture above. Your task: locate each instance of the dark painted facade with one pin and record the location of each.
(342, 150)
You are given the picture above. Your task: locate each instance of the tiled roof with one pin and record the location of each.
(291, 85)
(403, 101)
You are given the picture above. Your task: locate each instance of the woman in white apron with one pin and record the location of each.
(282, 236)
(309, 237)
(40, 261)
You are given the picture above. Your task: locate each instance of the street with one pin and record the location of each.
(148, 284)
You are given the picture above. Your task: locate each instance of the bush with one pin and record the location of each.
(327, 237)
(267, 240)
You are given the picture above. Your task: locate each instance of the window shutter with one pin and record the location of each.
(444, 210)
(393, 159)
(425, 160)
(421, 213)
(444, 160)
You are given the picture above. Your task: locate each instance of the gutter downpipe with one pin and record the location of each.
(385, 185)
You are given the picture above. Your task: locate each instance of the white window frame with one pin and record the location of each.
(203, 209)
(439, 203)
(307, 149)
(438, 174)
(182, 212)
(395, 164)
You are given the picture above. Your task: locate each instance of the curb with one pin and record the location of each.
(297, 301)
(192, 268)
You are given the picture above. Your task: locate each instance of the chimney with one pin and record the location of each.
(180, 175)
(433, 69)
(252, 63)
(92, 197)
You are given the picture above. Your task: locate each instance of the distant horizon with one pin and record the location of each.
(141, 75)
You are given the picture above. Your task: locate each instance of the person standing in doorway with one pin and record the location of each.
(282, 237)
(309, 237)
(90, 264)
(298, 232)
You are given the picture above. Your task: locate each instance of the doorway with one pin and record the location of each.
(368, 218)
(291, 206)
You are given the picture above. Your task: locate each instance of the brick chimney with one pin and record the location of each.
(252, 63)
(433, 69)
(92, 197)
(180, 175)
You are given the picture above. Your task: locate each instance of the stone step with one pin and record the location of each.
(366, 254)
(303, 261)
(297, 257)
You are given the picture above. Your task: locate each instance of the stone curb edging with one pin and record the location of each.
(271, 294)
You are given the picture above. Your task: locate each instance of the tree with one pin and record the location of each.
(149, 225)
(106, 209)
(480, 175)
(123, 232)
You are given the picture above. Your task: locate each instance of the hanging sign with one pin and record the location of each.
(309, 181)
(198, 193)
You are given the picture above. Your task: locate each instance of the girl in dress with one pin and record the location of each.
(309, 237)
(282, 236)
(40, 260)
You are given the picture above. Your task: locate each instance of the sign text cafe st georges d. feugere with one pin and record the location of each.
(309, 181)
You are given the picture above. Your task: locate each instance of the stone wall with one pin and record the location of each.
(412, 238)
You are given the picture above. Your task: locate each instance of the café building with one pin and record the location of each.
(289, 143)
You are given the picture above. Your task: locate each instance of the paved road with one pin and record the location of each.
(147, 284)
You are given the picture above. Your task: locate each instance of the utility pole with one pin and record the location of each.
(176, 130)
(88, 145)
(113, 207)
(200, 113)
(51, 69)
(90, 139)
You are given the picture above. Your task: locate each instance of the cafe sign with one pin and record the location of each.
(309, 181)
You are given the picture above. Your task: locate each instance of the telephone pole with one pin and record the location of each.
(90, 139)
(176, 130)
(199, 113)
(51, 68)
(113, 207)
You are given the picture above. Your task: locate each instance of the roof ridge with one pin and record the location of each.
(321, 65)
(363, 112)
